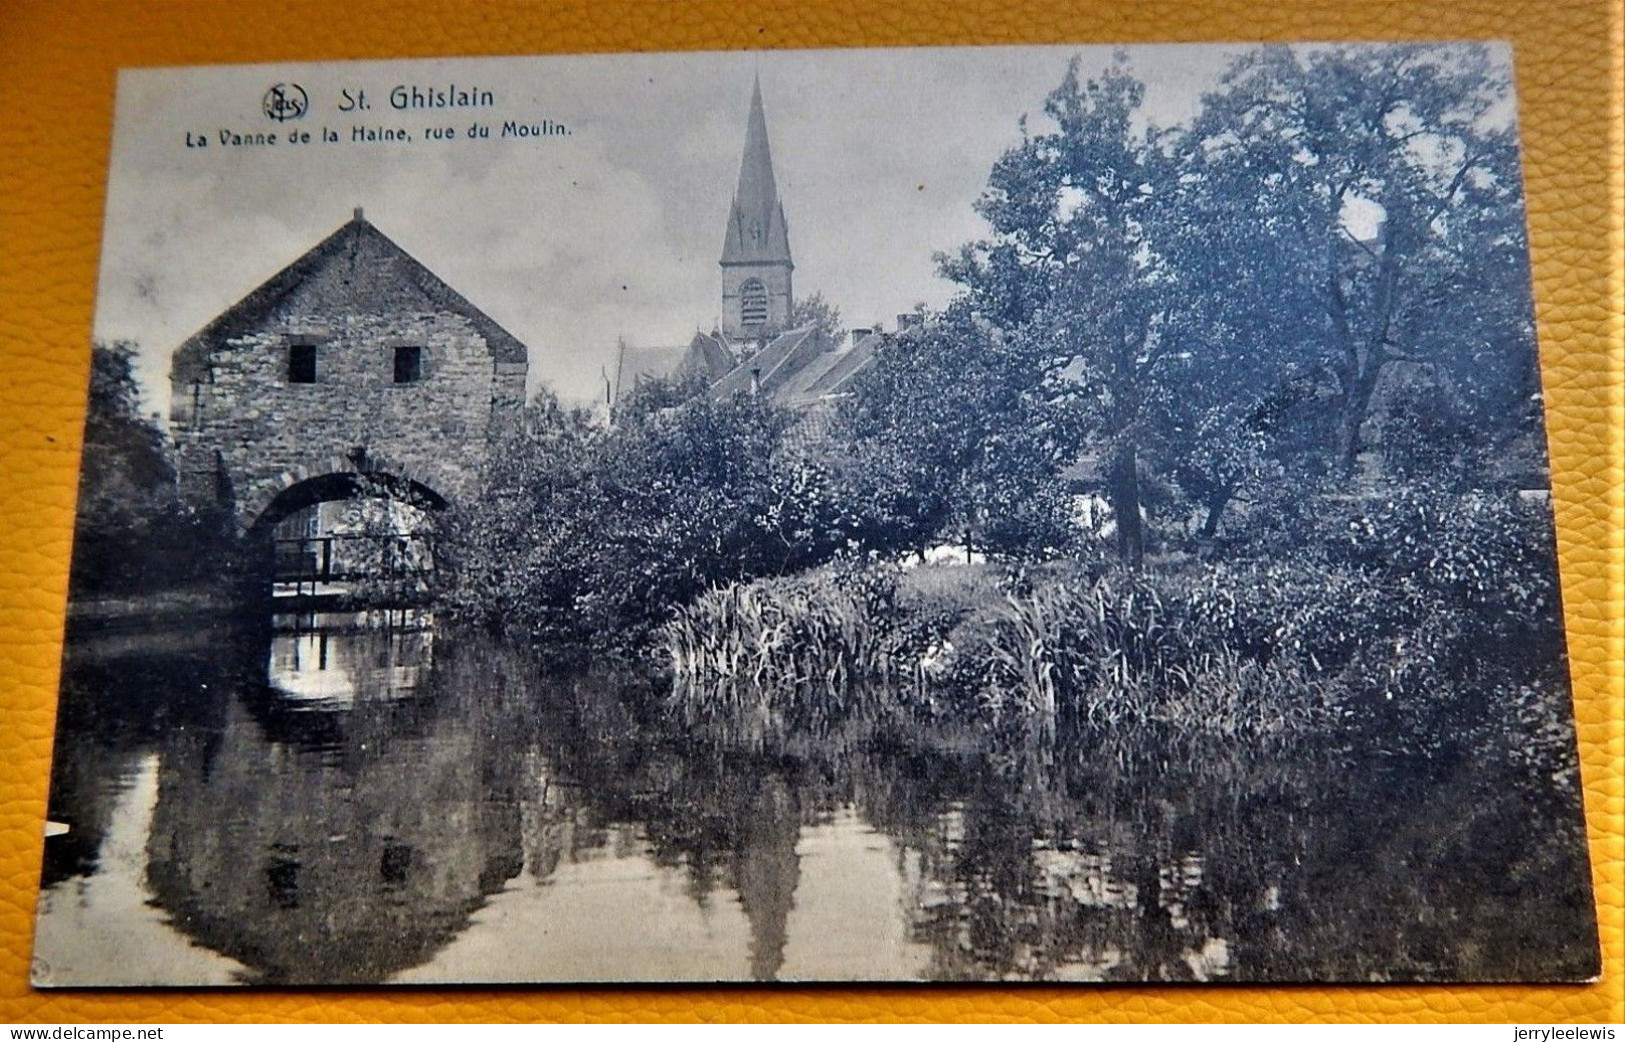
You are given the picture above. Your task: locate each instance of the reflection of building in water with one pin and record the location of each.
(102, 930)
(334, 668)
(340, 854)
(343, 842)
(766, 871)
(735, 831)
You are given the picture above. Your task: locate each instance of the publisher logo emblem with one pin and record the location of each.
(286, 101)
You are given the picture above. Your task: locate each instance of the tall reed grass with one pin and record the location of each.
(1121, 651)
(1109, 652)
(817, 642)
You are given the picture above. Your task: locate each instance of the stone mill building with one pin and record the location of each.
(355, 367)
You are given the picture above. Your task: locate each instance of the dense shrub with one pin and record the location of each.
(132, 534)
(588, 534)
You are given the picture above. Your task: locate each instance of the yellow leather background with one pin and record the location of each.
(57, 68)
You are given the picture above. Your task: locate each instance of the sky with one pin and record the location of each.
(574, 242)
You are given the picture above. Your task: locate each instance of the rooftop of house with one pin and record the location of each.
(706, 353)
(797, 368)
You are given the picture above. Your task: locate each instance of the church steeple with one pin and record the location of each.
(756, 226)
(756, 262)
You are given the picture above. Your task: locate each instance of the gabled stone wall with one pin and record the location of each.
(246, 430)
(256, 433)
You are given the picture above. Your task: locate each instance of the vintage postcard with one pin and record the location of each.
(1067, 514)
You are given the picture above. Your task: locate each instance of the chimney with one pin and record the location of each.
(859, 334)
(357, 215)
(755, 380)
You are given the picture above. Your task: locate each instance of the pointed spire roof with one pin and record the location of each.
(757, 231)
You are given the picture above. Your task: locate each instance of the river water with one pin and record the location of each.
(410, 803)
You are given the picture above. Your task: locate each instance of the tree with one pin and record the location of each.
(950, 436)
(512, 549)
(1072, 274)
(1240, 400)
(131, 533)
(1222, 308)
(1386, 183)
(126, 469)
(818, 312)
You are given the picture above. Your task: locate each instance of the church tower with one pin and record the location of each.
(756, 263)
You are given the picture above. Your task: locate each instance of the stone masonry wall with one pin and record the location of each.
(266, 433)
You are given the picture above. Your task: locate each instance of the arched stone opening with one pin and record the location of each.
(345, 485)
(346, 539)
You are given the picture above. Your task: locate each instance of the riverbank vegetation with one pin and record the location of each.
(591, 536)
(134, 540)
(1446, 628)
(1238, 418)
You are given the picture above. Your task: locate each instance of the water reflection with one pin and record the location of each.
(341, 838)
(369, 799)
(333, 659)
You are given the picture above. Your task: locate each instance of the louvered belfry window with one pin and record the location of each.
(753, 303)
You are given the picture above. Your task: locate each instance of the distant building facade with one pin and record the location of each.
(353, 363)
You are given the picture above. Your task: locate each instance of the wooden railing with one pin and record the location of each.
(308, 563)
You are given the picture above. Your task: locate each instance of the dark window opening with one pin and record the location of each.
(395, 863)
(408, 365)
(282, 879)
(301, 363)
